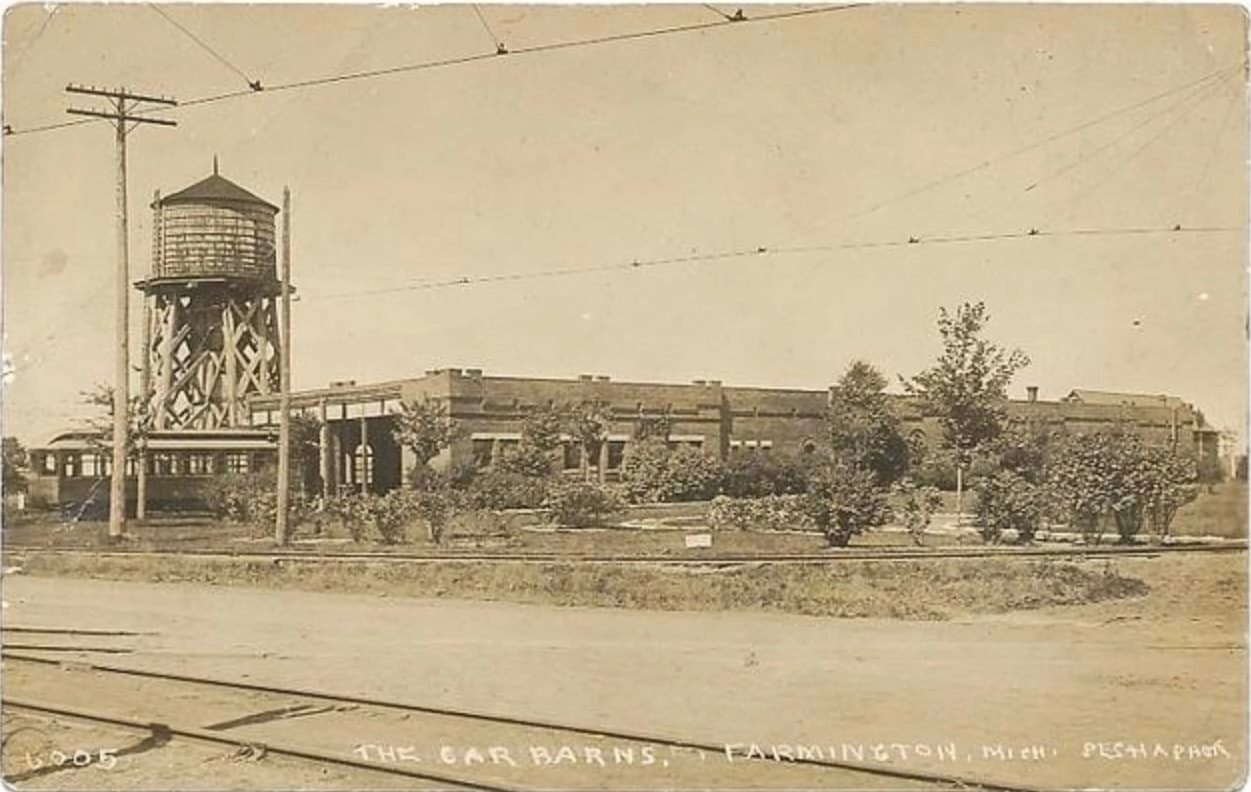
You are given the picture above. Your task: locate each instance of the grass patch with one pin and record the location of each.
(931, 590)
(1221, 512)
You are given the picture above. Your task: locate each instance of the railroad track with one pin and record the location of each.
(831, 556)
(339, 715)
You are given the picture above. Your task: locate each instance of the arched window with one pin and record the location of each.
(363, 465)
(809, 446)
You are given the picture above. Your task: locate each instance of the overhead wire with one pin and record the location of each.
(253, 84)
(1039, 143)
(1234, 100)
(1118, 169)
(765, 251)
(717, 11)
(1195, 96)
(500, 49)
(466, 59)
(51, 11)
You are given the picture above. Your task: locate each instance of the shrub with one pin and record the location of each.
(653, 473)
(936, 472)
(1117, 473)
(526, 460)
(344, 509)
(758, 475)
(643, 472)
(390, 515)
(843, 501)
(692, 475)
(1008, 500)
(252, 499)
(495, 489)
(770, 513)
(581, 503)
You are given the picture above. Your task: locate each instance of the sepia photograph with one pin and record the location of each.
(624, 397)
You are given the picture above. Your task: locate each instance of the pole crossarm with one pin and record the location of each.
(120, 93)
(121, 117)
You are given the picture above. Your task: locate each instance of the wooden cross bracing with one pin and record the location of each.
(209, 350)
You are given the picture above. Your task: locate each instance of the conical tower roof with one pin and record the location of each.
(214, 189)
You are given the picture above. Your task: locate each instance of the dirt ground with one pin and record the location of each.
(1145, 692)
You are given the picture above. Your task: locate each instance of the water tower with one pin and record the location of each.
(212, 337)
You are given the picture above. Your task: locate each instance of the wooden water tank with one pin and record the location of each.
(214, 229)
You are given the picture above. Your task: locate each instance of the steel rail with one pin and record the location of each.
(55, 648)
(276, 748)
(8, 628)
(962, 781)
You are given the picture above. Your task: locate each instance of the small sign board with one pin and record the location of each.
(699, 540)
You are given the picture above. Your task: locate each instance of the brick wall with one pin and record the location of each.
(725, 419)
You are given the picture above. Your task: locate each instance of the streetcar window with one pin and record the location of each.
(236, 462)
(199, 464)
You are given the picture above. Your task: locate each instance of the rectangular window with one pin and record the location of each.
(506, 446)
(363, 465)
(572, 456)
(616, 453)
(89, 465)
(237, 462)
(482, 450)
(674, 445)
(69, 465)
(49, 464)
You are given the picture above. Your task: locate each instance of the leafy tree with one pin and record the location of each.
(542, 428)
(967, 386)
(425, 428)
(1082, 476)
(305, 448)
(843, 501)
(653, 427)
(1117, 475)
(917, 505)
(588, 424)
(1014, 495)
(1170, 483)
(100, 425)
(14, 463)
(864, 430)
(541, 432)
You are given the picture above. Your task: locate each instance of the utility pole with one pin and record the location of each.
(123, 113)
(284, 378)
(145, 385)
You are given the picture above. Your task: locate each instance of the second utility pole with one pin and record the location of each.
(122, 115)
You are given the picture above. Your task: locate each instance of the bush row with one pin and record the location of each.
(431, 505)
(768, 513)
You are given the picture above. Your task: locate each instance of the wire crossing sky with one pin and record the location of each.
(759, 201)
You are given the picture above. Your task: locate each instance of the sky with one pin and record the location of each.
(828, 139)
